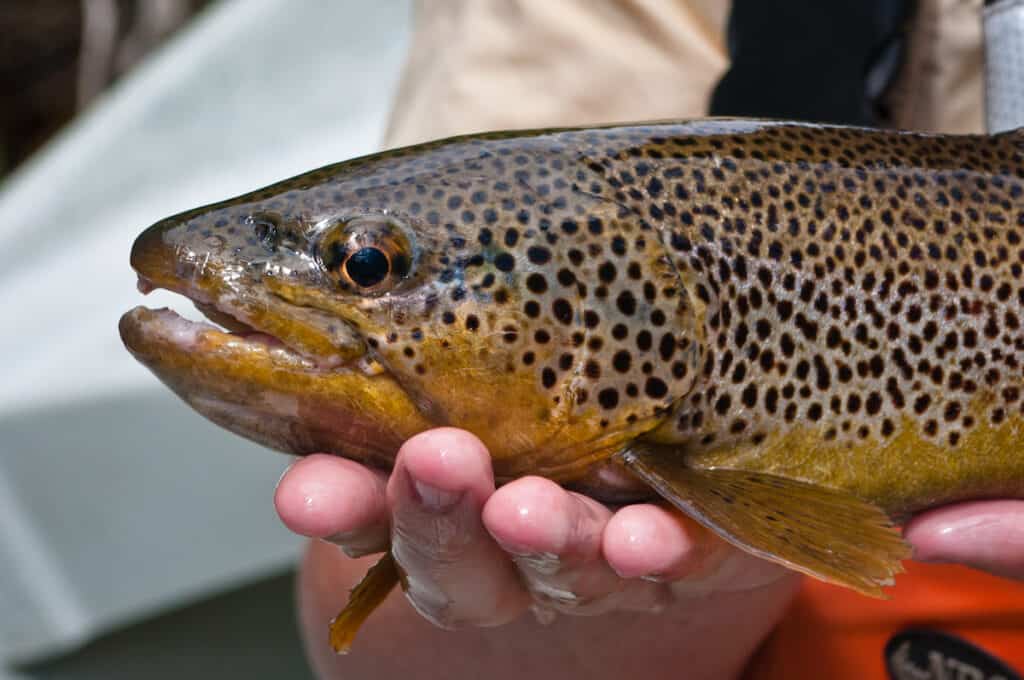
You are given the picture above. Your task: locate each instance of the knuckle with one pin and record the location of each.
(441, 540)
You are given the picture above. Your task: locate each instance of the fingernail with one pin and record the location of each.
(287, 469)
(434, 499)
(345, 548)
(339, 538)
(354, 544)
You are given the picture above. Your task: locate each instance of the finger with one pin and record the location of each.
(658, 543)
(648, 541)
(455, 574)
(328, 497)
(554, 537)
(987, 535)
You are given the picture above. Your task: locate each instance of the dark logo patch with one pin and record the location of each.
(931, 655)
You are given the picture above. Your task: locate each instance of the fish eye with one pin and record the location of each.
(368, 266)
(370, 254)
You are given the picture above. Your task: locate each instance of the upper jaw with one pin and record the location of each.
(289, 376)
(237, 297)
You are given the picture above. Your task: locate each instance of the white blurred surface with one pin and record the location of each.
(115, 499)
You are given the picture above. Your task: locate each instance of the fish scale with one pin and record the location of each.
(794, 333)
(863, 289)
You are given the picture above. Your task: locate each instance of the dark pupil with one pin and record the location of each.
(367, 267)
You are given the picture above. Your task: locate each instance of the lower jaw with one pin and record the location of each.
(253, 386)
(271, 396)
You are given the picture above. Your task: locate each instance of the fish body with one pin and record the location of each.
(793, 332)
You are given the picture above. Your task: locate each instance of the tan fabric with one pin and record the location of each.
(499, 64)
(496, 64)
(941, 86)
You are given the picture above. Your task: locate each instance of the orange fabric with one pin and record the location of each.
(834, 633)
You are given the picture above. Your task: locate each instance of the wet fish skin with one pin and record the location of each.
(764, 321)
(463, 311)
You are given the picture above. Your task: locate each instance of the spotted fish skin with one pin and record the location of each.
(793, 333)
(830, 304)
(861, 298)
(519, 316)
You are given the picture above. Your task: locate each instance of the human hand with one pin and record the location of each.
(476, 557)
(986, 535)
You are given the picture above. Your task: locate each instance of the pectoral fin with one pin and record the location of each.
(828, 534)
(379, 581)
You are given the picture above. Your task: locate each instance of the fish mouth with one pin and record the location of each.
(285, 376)
(227, 332)
(237, 297)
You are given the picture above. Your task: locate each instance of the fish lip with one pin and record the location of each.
(176, 329)
(270, 394)
(143, 327)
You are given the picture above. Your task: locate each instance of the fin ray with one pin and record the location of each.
(831, 535)
(368, 594)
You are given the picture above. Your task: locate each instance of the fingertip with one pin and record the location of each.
(923, 532)
(454, 574)
(528, 516)
(981, 533)
(322, 495)
(649, 541)
(447, 459)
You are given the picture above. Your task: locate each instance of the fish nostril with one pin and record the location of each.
(267, 234)
(266, 231)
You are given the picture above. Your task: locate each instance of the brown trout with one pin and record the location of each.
(796, 334)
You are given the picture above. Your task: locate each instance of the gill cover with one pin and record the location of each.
(508, 301)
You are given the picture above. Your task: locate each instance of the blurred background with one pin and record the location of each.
(59, 55)
(136, 539)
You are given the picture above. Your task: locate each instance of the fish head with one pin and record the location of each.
(473, 283)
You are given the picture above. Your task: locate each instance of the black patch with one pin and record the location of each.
(655, 388)
(562, 310)
(608, 398)
(538, 254)
(626, 303)
(368, 267)
(548, 378)
(918, 654)
(505, 262)
(536, 283)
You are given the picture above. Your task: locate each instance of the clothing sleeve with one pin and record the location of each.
(500, 64)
